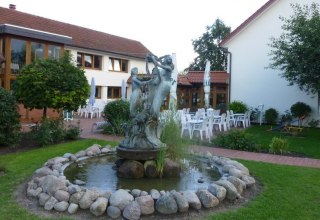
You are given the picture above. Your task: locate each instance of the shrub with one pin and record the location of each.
(313, 123)
(271, 116)
(9, 119)
(73, 132)
(278, 145)
(116, 113)
(49, 132)
(238, 107)
(237, 140)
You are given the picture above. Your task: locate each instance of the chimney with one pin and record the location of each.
(12, 6)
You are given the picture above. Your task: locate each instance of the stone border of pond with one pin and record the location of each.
(53, 191)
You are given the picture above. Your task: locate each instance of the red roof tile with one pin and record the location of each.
(247, 22)
(81, 37)
(216, 76)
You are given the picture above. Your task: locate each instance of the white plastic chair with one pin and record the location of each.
(220, 121)
(243, 120)
(89, 111)
(185, 126)
(202, 127)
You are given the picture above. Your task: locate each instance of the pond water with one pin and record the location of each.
(98, 172)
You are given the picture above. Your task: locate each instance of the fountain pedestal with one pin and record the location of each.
(137, 154)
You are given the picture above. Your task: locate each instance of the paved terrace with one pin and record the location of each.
(86, 126)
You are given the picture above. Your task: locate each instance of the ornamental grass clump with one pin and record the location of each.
(278, 145)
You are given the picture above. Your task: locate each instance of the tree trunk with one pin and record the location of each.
(44, 112)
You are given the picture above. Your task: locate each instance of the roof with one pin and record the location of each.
(81, 37)
(247, 22)
(196, 77)
(215, 77)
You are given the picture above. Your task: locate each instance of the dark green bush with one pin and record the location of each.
(271, 116)
(72, 132)
(49, 132)
(238, 107)
(116, 113)
(9, 119)
(286, 117)
(237, 140)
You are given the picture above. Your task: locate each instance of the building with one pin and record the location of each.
(107, 58)
(251, 81)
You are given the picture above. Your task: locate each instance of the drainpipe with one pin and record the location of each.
(229, 59)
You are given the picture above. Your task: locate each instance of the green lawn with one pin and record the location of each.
(308, 143)
(288, 192)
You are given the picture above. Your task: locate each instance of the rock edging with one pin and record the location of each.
(54, 192)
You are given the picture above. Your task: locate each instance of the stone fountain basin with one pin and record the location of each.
(54, 191)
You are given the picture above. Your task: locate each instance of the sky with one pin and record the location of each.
(163, 26)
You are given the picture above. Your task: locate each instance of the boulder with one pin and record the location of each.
(249, 180)
(135, 192)
(132, 211)
(155, 194)
(120, 199)
(218, 191)
(73, 188)
(95, 149)
(43, 171)
(73, 208)
(131, 169)
(81, 153)
(146, 204)
(43, 198)
(192, 199)
(150, 168)
(61, 206)
(232, 192)
(166, 204)
(239, 166)
(183, 204)
(236, 172)
(75, 198)
(239, 184)
(99, 206)
(88, 198)
(34, 192)
(171, 168)
(50, 203)
(61, 195)
(113, 212)
(207, 199)
(51, 184)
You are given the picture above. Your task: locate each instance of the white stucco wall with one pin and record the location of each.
(251, 81)
(104, 77)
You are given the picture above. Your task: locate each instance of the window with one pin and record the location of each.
(89, 61)
(98, 92)
(118, 65)
(114, 92)
(37, 51)
(18, 55)
(54, 52)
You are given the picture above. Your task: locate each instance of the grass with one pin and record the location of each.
(308, 143)
(18, 167)
(288, 192)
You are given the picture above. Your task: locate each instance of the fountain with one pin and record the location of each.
(55, 188)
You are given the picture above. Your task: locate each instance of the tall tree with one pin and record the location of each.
(52, 83)
(297, 51)
(207, 47)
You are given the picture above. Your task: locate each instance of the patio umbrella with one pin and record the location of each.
(92, 99)
(123, 90)
(206, 84)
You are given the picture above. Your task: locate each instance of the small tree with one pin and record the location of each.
(296, 52)
(52, 83)
(9, 119)
(300, 110)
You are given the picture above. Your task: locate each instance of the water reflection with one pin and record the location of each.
(98, 172)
